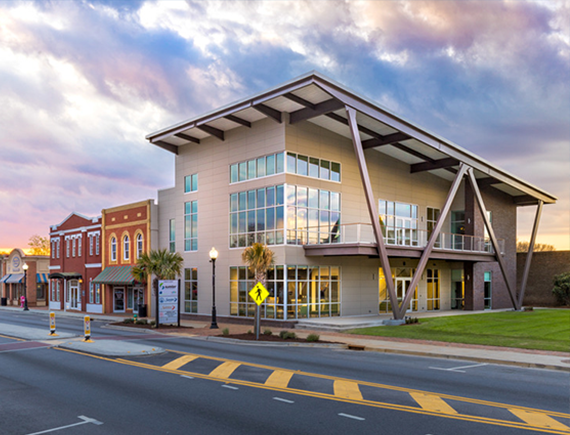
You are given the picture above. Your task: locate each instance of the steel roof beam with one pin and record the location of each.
(320, 109)
(389, 139)
(438, 164)
(167, 146)
(216, 132)
(187, 137)
(238, 120)
(269, 111)
(300, 100)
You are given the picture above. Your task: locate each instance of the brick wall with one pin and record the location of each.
(543, 267)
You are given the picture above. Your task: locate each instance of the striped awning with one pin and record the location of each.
(115, 275)
(4, 278)
(42, 278)
(14, 278)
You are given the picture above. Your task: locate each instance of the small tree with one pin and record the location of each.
(39, 245)
(258, 258)
(562, 288)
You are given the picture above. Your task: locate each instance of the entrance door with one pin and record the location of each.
(73, 295)
(138, 298)
(119, 300)
(402, 287)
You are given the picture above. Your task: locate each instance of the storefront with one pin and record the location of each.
(121, 293)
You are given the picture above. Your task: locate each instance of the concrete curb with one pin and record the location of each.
(270, 343)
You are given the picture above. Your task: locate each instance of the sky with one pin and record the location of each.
(83, 82)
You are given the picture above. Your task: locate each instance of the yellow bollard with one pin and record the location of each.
(52, 324)
(87, 327)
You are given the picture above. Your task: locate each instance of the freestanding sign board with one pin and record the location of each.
(168, 297)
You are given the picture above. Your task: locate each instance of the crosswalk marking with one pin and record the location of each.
(224, 370)
(538, 419)
(179, 362)
(347, 389)
(432, 403)
(279, 379)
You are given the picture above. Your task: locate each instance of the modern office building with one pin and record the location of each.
(366, 212)
(75, 261)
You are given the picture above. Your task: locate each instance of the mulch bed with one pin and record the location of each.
(264, 337)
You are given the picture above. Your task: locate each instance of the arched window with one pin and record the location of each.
(113, 249)
(126, 248)
(139, 245)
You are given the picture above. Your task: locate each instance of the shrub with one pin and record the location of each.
(285, 335)
(249, 331)
(561, 288)
(129, 320)
(267, 332)
(411, 320)
(313, 337)
(225, 331)
(141, 322)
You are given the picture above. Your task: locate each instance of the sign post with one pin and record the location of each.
(87, 325)
(52, 324)
(259, 293)
(168, 296)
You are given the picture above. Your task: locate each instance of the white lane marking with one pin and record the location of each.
(231, 387)
(283, 400)
(458, 369)
(82, 417)
(187, 377)
(354, 417)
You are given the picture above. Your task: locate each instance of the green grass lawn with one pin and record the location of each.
(539, 329)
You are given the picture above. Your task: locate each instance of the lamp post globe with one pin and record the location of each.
(213, 256)
(25, 267)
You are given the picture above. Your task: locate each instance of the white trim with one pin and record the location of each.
(92, 265)
(75, 230)
(54, 267)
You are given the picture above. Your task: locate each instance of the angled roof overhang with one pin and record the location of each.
(318, 99)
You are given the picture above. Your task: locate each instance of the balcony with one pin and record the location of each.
(358, 239)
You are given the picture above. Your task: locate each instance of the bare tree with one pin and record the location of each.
(522, 246)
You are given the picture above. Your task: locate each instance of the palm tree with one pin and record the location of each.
(160, 263)
(258, 258)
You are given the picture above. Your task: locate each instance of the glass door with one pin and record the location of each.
(119, 300)
(73, 295)
(402, 287)
(138, 299)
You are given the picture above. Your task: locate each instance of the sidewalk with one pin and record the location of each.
(201, 330)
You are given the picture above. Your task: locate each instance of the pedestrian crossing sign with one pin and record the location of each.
(259, 293)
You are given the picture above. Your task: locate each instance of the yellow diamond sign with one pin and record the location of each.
(259, 293)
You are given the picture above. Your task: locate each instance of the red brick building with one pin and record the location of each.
(127, 232)
(75, 261)
(23, 275)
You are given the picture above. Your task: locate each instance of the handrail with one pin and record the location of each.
(362, 233)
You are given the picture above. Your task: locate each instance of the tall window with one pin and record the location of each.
(172, 235)
(257, 216)
(126, 248)
(313, 216)
(91, 237)
(191, 226)
(432, 289)
(73, 247)
(67, 247)
(432, 217)
(191, 290)
(458, 229)
(53, 249)
(57, 247)
(294, 292)
(191, 183)
(487, 290)
(79, 250)
(96, 244)
(399, 222)
(139, 245)
(113, 249)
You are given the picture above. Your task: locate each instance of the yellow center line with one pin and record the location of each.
(538, 419)
(179, 362)
(347, 389)
(279, 379)
(13, 338)
(224, 370)
(433, 403)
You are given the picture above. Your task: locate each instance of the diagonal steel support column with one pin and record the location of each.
(494, 241)
(372, 210)
(433, 238)
(529, 254)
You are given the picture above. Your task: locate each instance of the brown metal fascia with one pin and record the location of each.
(432, 239)
(372, 210)
(431, 141)
(529, 253)
(496, 247)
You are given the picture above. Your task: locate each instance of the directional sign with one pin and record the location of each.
(259, 293)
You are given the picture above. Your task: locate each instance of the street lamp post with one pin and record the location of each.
(213, 257)
(25, 267)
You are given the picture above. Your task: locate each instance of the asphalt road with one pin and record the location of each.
(205, 387)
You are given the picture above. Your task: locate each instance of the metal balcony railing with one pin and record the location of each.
(359, 233)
